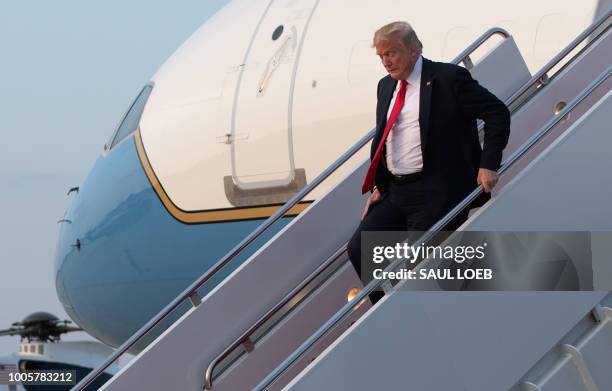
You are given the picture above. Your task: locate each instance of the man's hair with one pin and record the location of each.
(405, 31)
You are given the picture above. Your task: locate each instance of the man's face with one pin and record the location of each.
(397, 59)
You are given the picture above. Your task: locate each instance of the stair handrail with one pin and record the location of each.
(541, 78)
(429, 234)
(463, 57)
(244, 337)
(191, 291)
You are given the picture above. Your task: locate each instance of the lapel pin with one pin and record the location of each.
(428, 83)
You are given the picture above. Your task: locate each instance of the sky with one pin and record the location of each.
(68, 72)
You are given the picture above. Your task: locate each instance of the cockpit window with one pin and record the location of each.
(132, 117)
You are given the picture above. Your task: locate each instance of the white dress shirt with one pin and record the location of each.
(404, 141)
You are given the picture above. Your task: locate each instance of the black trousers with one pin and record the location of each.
(403, 208)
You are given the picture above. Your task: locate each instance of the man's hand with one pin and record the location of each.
(487, 178)
(373, 199)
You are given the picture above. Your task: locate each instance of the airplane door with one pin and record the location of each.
(262, 150)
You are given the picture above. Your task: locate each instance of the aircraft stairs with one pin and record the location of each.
(283, 318)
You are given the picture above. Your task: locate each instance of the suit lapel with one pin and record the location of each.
(427, 78)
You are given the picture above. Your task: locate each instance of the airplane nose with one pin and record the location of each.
(132, 256)
(129, 263)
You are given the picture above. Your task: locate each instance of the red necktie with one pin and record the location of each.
(368, 182)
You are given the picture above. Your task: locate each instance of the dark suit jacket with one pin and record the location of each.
(450, 103)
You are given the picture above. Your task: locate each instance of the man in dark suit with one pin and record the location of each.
(426, 156)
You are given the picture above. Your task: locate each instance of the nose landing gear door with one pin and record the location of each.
(263, 168)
